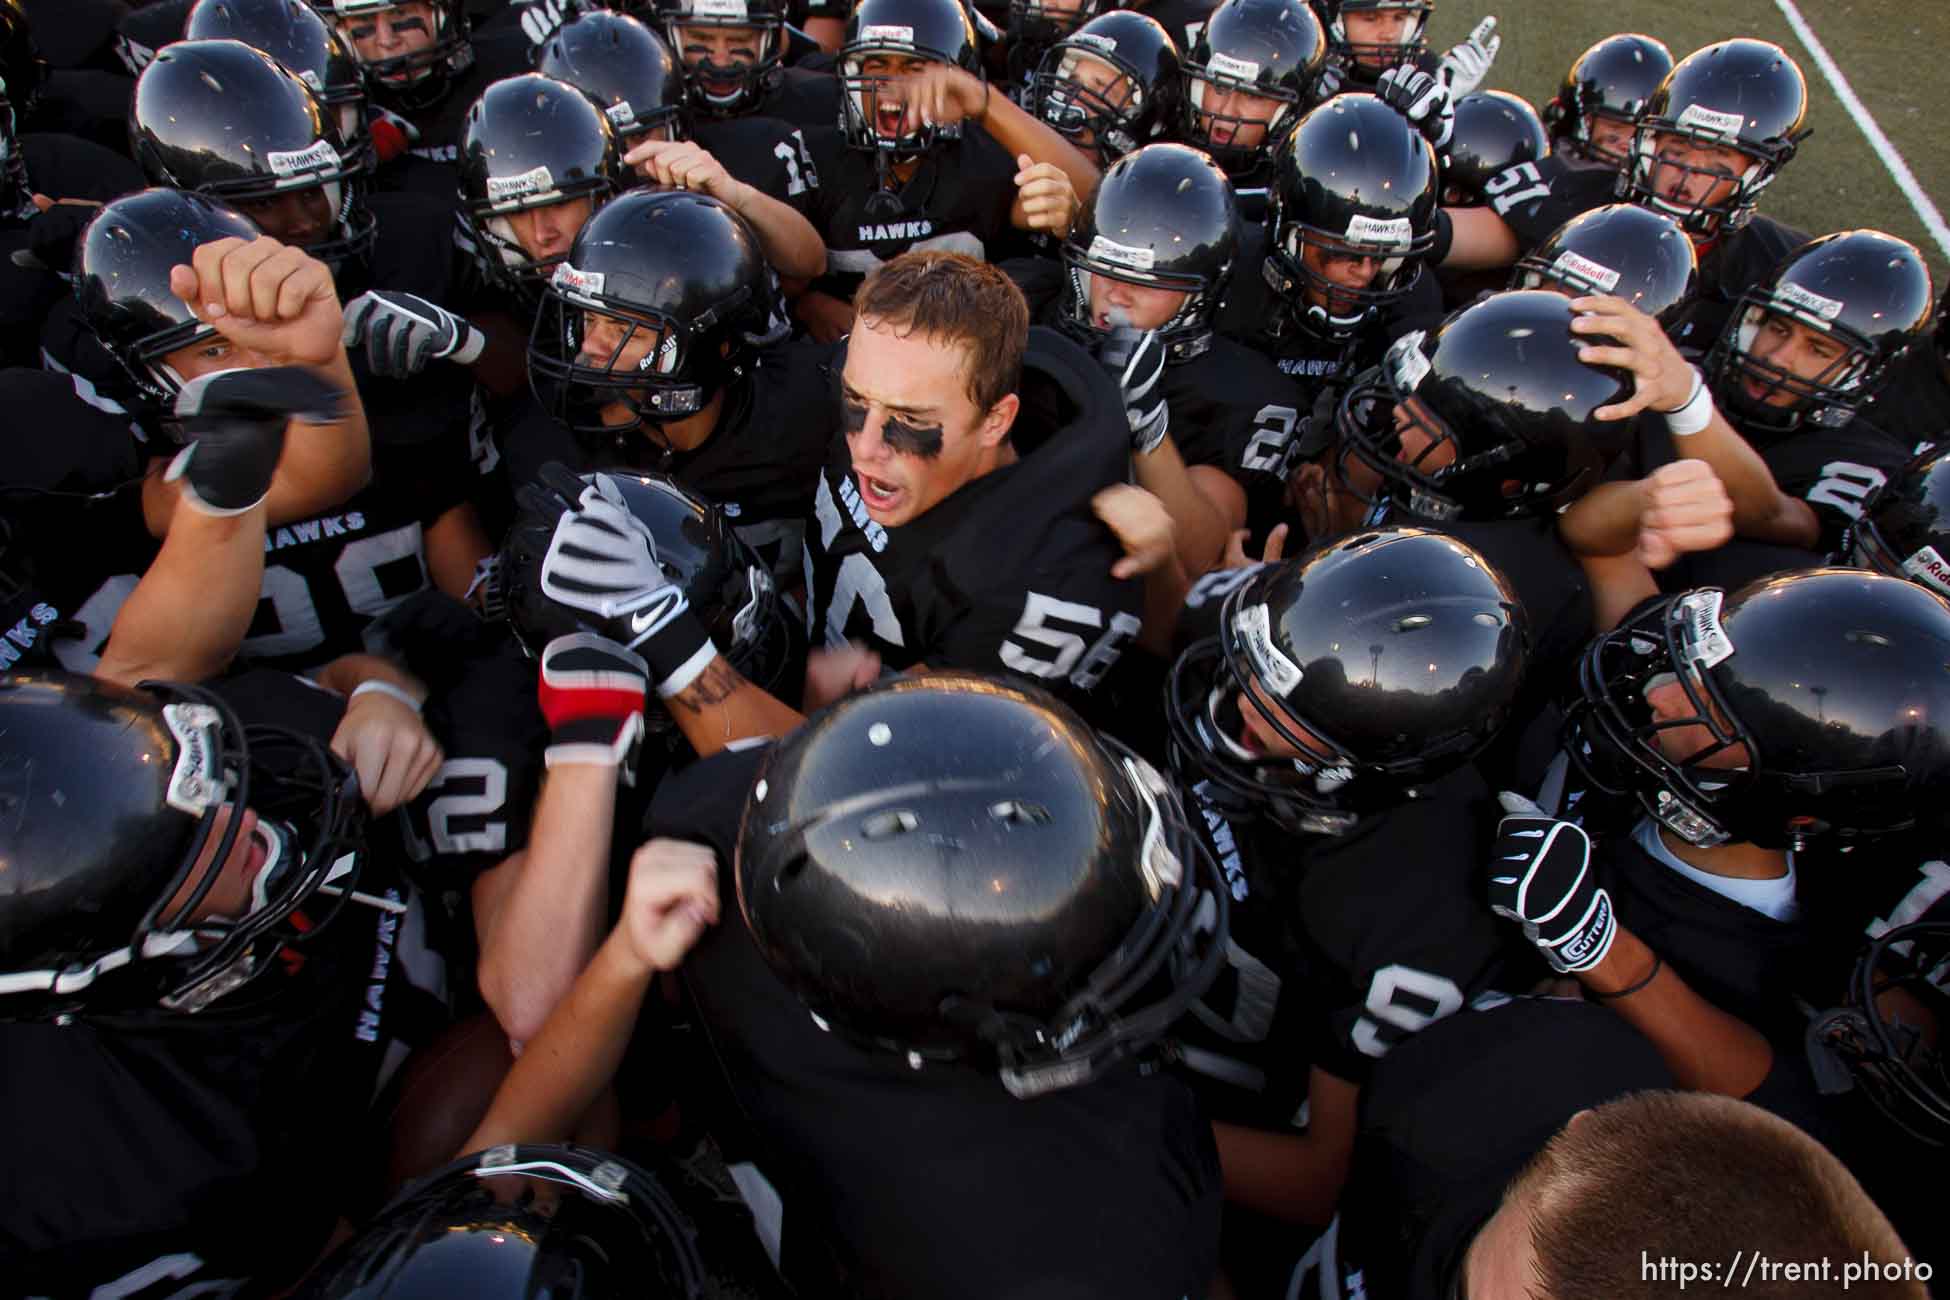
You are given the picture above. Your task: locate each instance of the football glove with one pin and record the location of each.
(402, 332)
(1421, 98)
(1136, 359)
(1466, 64)
(1541, 877)
(233, 422)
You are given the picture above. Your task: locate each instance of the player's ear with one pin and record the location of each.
(995, 426)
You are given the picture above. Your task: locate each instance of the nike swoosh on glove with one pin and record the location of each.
(403, 332)
(234, 422)
(1541, 877)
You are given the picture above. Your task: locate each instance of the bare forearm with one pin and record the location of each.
(721, 707)
(1020, 133)
(1200, 530)
(1285, 1176)
(791, 243)
(212, 566)
(568, 1063)
(348, 672)
(1704, 1047)
(1480, 241)
(1756, 498)
(550, 918)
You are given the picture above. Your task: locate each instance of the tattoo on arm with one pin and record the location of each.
(713, 687)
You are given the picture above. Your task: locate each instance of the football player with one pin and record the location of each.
(1708, 142)
(1523, 1152)
(1594, 115)
(1325, 789)
(1110, 86)
(733, 55)
(1494, 131)
(1252, 73)
(205, 979)
(874, 1079)
(928, 156)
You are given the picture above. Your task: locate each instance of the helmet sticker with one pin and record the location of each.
(1362, 229)
(292, 162)
(620, 114)
(1826, 308)
(502, 188)
(1254, 623)
(1125, 255)
(1701, 118)
(886, 34)
(195, 786)
(1093, 39)
(1928, 568)
(1570, 264)
(1407, 366)
(732, 9)
(1224, 65)
(574, 283)
(1703, 633)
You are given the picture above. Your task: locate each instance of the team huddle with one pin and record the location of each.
(754, 648)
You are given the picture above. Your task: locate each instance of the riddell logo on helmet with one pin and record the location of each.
(1092, 39)
(887, 34)
(732, 9)
(587, 284)
(1698, 117)
(1710, 642)
(1254, 624)
(1927, 567)
(1125, 255)
(1572, 266)
(294, 162)
(621, 114)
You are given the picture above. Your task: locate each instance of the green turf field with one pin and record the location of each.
(1894, 52)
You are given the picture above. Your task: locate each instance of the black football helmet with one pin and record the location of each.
(1112, 85)
(521, 1223)
(872, 108)
(1392, 654)
(409, 81)
(1034, 26)
(292, 33)
(728, 585)
(22, 73)
(680, 268)
(121, 282)
(957, 868)
(1274, 49)
(529, 142)
(1369, 59)
(1746, 94)
(1904, 527)
(1621, 249)
(1868, 292)
(110, 795)
(224, 119)
(1506, 413)
(1612, 80)
(1354, 179)
(626, 68)
(1900, 1066)
(724, 91)
(1494, 129)
(1163, 217)
(1824, 693)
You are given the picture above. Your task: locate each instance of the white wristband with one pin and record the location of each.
(1696, 414)
(376, 687)
(471, 346)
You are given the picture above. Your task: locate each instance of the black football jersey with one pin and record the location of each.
(896, 1183)
(806, 97)
(1834, 471)
(1535, 198)
(1728, 267)
(1184, 19)
(59, 166)
(144, 29)
(1446, 1121)
(1011, 572)
(1914, 403)
(761, 463)
(431, 164)
(958, 201)
(767, 153)
(151, 1149)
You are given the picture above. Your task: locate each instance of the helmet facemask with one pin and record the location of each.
(1187, 334)
(1372, 57)
(418, 79)
(1110, 117)
(1344, 311)
(500, 253)
(1825, 400)
(751, 81)
(1702, 126)
(1883, 1037)
(873, 107)
(1220, 74)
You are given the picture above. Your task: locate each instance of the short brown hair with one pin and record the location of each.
(1696, 1177)
(954, 297)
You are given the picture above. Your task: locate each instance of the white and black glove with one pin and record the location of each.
(1541, 877)
(1466, 64)
(402, 332)
(1421, 98)
(1136, 359)
(233, 422)
(592, 693)
(601, 561)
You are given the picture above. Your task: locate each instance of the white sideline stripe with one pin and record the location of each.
(1892, 160)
